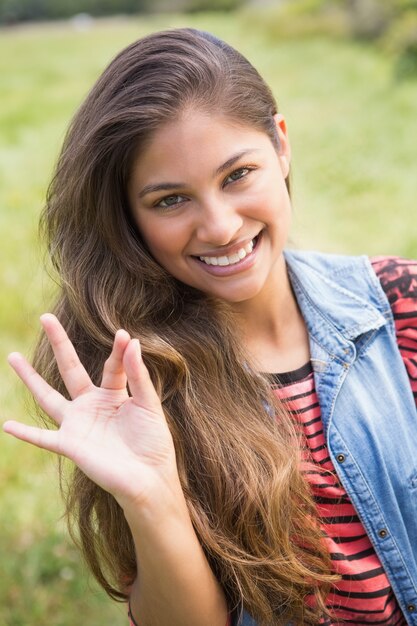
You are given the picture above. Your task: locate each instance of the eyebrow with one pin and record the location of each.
(152, 188)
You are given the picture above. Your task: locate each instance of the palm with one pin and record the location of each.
(122, 443)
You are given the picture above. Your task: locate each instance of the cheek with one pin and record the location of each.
(163, 241)
(283, 202)
(269, 196)
(277, 211)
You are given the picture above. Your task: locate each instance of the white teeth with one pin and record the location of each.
(230, 260)
(249, 247)
(210, 260)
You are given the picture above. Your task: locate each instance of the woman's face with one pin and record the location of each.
(210, 200)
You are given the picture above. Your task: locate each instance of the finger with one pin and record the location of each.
(52, 402)
(114, 375)
(42, 438)
(140, 383)
(76, 379)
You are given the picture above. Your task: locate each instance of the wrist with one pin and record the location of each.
(164, 503)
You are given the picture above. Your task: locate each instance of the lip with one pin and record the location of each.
(228, 270)
(227, 251)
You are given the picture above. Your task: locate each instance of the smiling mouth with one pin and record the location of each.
(231, 259)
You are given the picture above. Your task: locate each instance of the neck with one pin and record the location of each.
(272, 327)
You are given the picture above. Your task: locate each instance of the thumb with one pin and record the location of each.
(140, 384)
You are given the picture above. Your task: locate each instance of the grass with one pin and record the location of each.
(353, 135)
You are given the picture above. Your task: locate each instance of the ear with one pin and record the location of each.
(284, 153)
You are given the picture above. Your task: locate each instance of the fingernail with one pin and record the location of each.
(137, 347)
(45, 316)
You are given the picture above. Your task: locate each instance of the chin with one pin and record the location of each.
(238, 296)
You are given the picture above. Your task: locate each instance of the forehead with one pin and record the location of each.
(196, 140)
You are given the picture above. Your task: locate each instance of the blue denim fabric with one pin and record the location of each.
(247, 620)
(368, 410)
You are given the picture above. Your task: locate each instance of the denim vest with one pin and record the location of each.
(367, 406)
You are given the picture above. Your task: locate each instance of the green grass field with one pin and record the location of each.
(353, 133)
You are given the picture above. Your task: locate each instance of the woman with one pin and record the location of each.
(231, 406)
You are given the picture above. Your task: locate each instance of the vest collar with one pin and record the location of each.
(334, 290)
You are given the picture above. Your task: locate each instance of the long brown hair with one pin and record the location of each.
(239, 467)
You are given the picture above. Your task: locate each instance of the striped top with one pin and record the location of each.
(363, 596)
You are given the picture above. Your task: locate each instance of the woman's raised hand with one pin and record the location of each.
(122, 443)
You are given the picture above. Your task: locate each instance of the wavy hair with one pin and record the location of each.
(240, 468)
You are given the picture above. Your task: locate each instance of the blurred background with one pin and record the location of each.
(345, 76)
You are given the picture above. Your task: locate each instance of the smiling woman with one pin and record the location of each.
(219, 394)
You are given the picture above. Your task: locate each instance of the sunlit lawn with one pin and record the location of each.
(353, 133)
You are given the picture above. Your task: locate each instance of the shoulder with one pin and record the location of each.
(361, 275)
(398, 278)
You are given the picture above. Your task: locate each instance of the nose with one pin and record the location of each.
(218, 222)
